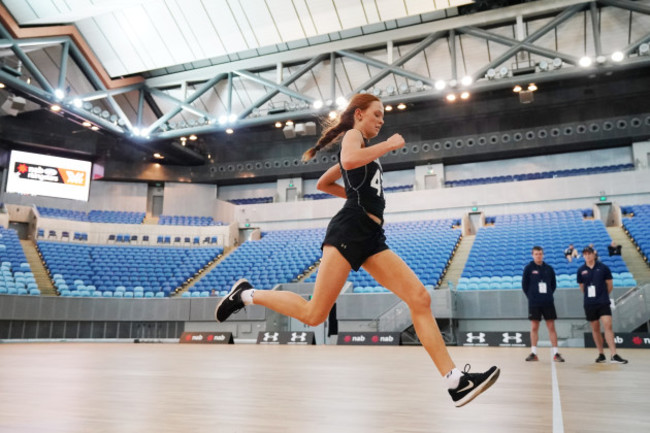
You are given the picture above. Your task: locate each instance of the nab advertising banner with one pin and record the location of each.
(286, 337)
(498, 339)
(206, 338)
(369, 339)
(628, 340)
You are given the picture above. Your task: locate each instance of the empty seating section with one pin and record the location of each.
(50, 212)
(398, 188)
(278, 257)
(387, 189)
(637, 223)
(115, 217)
(16, 277)
(541, 175)
(426, 246)
(253, 200)
(183, 220)
(501, 251)
(121, 271)
(317, 196)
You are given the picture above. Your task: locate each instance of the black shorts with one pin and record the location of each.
(536, 312)
(355, 235)
(593, 312)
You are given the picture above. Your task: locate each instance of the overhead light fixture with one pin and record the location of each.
(466, 81)
(376, 91)
(78, 103)
(59, 94)
(278, 124)
(617, 56)
(585, 62)
(644, 49)
(158, 156)
(401, 106)
(341, 102)
(55, 107)
(557, 62)
(543, 65)
(404, 88)
(388, 108)
(87, 124)
(183, 139)
(440, 85)
(517, 88)
(289, 123)
(223, 120)
(390, 90)
(503, 72)
(464, 95)
(318, 104)
(419, 85)
(332, 114)
(95, 128)
(451, 97)
(532, 87)
(229, 131)
(491, 74)
(2, 85)
(193, 137)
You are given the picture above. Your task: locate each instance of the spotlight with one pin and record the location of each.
(158, 156)
(517, 88)
(77, 103)
(318, 104)
(2, 85)
(183, 139)
(464, 95)
(451, 97)
(532, 87)
(419, 85)
(376, 91)
(87, 124)
(557, 62)
(332, 114)
(644, 49)
(59, 94)
(543, 65)
(289, 123)
(94, 128)
(229, 131)
(601, 59)
(503, 72)
(401, 106)
(193, 137)
(440, 85)
(404, 88)
(491, 74)
(223, 120)
(341, 102)
(55, 107)
(278, 124)
(585, 62)
(617, 56)
(466, 81)
(388, 108)
(232, 118)
(390, 90)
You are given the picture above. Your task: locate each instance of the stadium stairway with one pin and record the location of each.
(458, 261)
(38, 269)
(150, 220)
(208, 269)
(634, 261)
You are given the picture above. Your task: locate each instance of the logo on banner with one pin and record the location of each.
(479, 338)
(286, 337)
(507, 338)
(50, 174)
(271, 337)
(369, 338)
(499, 339)
(629, 340)
(206, 338)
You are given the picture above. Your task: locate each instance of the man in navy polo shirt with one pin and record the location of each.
(595, 280)
(538, 283)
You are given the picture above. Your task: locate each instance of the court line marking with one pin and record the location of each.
(558, 422)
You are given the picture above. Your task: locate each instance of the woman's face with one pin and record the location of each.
(370, 120)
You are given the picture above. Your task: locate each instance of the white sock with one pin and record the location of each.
(247, 296)
(533, 349)
(453, 378)
(554, 351)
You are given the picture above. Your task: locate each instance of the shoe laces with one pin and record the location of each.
(466, 369)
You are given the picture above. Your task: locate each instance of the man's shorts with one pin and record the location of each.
(536, 312)
(355, 235)
(594, 312)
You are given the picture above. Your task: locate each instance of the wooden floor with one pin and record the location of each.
(112, 387)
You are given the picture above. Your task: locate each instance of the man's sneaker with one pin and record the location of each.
(532, 357)
(601, 358)
(558, 358)
(472, 384)
(232, 302)
(618, 360)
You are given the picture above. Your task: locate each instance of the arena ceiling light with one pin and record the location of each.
(450, 97)
(466, 81)
(440, 85)
(618, 56)
(464, 95)
(585, 62)
(644, 49)
(318, 104)
(388, 108)
(229, 130)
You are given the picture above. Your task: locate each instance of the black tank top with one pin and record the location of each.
(364, 187)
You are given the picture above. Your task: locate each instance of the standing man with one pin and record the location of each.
(538, 283)
(595, 280)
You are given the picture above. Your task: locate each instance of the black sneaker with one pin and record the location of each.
(532, 357)
(558, 358)
(232, 302)
(618, 360)
(472, 384)
(601, 358)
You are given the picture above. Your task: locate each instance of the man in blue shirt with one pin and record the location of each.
(595, 280)
(538, 283)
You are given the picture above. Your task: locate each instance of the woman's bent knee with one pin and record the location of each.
(419, 300)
